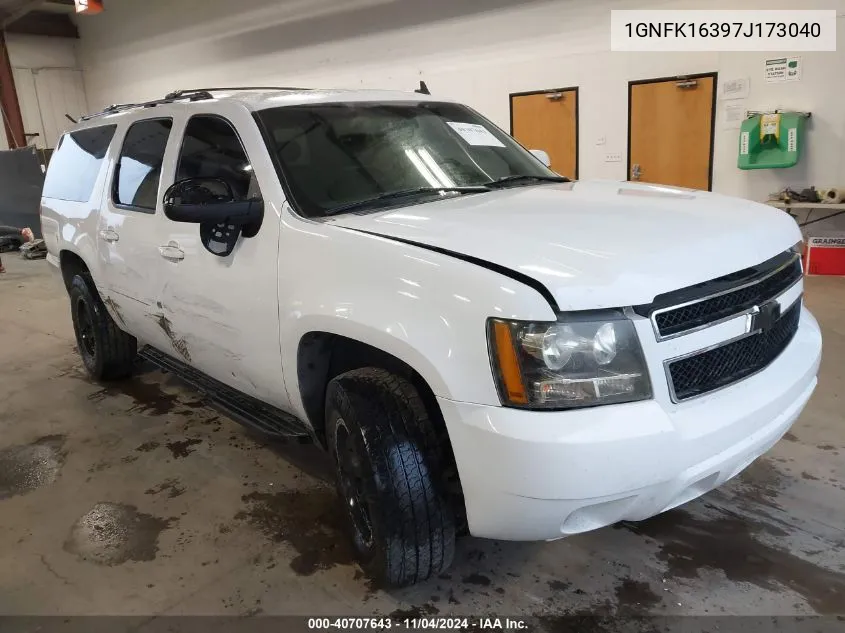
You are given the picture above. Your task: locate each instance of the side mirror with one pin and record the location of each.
(209, 201)
(542, 156)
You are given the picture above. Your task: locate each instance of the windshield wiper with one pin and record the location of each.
(507, 180)
(404, 193)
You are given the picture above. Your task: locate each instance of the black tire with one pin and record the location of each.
(406, 533)
(107, 351)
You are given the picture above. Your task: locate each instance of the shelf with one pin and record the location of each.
(780, 204)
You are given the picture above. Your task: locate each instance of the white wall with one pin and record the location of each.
(478, 51)
(35, 51)
(49, 83)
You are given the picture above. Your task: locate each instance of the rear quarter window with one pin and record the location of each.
(76, 163)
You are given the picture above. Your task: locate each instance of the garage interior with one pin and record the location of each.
(212, 519)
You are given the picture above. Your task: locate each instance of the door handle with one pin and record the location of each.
(172, 252)
(109, 235)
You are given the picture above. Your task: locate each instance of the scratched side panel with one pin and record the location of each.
(221, 314)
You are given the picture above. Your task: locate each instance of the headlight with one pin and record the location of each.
(585, 359)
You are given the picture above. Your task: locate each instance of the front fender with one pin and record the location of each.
(428, 309)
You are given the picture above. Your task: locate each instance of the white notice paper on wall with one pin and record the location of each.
(735, 88)
(475, 134)
(734, 114)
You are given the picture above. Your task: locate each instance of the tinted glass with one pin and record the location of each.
(76, 163)
(212, 149)
(139, 169)
(337, 154)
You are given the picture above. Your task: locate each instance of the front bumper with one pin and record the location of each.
(534, 475)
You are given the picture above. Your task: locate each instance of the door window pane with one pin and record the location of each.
(139, 169)
(212, 149)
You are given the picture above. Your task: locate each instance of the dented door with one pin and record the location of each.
(128, 222)
(221, 313)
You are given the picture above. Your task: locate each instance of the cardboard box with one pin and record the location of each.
(825, 255)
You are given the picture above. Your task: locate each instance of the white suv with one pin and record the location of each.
(481, 344)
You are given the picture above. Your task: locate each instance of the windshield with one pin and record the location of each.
(361, 155)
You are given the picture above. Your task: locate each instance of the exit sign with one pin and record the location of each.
(89, 6)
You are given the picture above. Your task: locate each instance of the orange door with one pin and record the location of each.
(671, 131)
(548, 120)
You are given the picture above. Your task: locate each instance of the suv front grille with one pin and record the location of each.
(721, 366)
(674, 321)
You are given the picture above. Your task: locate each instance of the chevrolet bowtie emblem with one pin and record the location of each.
(762, 318)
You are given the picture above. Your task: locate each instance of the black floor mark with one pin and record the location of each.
(689, 544)
(635, 597)
(28, 467)
(309, 521)
(558, 585)
(806, 475)
(791, 437)
(415, 613)
(477, 579)
(182, 448)
(826, 447)
(590, 621)
(146, 447)
(170, 486)
(147, 397)
(113, 533)
(476, 555)
(761, 482)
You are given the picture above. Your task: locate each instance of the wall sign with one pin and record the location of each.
(783, 69)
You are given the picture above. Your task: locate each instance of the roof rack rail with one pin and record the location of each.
(196, 94)
(187, 93)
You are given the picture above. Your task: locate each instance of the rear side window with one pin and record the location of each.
(76, 163)
(139, 167)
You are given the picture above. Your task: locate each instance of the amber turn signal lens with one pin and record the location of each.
(508, 364)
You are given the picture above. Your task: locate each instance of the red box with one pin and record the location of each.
(825, 255)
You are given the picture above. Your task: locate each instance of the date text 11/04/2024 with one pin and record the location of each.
(418, 623)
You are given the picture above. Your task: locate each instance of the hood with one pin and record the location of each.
(595, 244)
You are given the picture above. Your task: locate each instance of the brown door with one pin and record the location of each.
(548, 120)
(670, 130)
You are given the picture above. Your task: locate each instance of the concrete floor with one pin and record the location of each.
(136, 499)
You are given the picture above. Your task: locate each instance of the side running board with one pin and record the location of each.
(242, 408)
